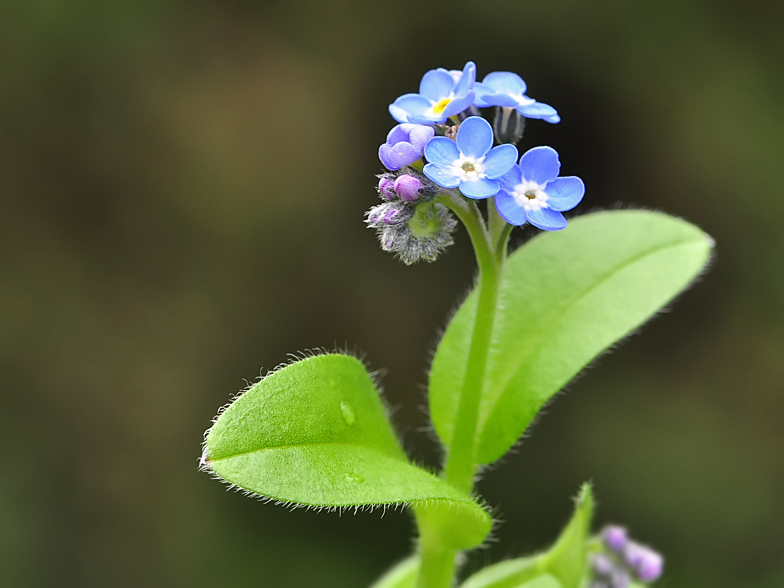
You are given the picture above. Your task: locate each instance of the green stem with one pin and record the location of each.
(502, 243)
(438, 563)
(495, 223)
(500, 230)
(460, 466)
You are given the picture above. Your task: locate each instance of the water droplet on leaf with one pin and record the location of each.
(356, 478)
(348, 413)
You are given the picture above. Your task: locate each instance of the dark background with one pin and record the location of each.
(182, 191)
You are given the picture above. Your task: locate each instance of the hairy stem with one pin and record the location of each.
(438, 563)
(460, 466)
(500, 230)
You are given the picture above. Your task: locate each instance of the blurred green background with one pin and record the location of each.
(183, 185)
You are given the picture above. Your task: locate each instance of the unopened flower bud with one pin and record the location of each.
(646, 563)
(615, 538)
(620, 579)
(393, 217)
(415, 232)
(508, 125)
(602, 565)
(386, 188)
(408, 187)
(390, 214)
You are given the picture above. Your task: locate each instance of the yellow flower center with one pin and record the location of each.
(441, 105)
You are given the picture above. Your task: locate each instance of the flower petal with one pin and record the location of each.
(546, 219)
(441, 151)
(401, 154)
(443, 176)
(480, 91)
(427, 119)
(478, 189)
(436, 84)
(466, 80)
(420, 135)
(383, 155)
(475, 136)
(505, 82)
(459, 104)
(500, 100)
(509, 209)
(398, 113)
(510, 179)
(564, 193)
(540, 165)
(408, 105)
(399, 133)
(539, 110)
(500, 160)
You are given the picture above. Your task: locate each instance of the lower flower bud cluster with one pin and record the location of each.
(623, 560)
(408, 222)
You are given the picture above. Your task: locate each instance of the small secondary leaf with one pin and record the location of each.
(545, 581)
(316, 433)
(565, 297)
(511, 573)
(402, 575)
(564, 565)
(567, 560)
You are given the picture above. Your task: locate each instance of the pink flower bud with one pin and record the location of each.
(408, 187)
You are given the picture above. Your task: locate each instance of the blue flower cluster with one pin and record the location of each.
(444, 141)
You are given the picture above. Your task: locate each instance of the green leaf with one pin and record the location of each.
(567, 560)
(316, 433)
(541, 581)
(402, 575)
(544, 581)
(510, 573)
(565, 565)
(565, 298)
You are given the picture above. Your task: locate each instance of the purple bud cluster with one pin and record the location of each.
(407, 187)
(623, 560)
(408, 223)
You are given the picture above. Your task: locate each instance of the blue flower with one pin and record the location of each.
(441, 95)
(469, 163)
(503, 88)
(532, 191)
(405, 144)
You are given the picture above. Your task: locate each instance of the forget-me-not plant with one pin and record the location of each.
(317, 433)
